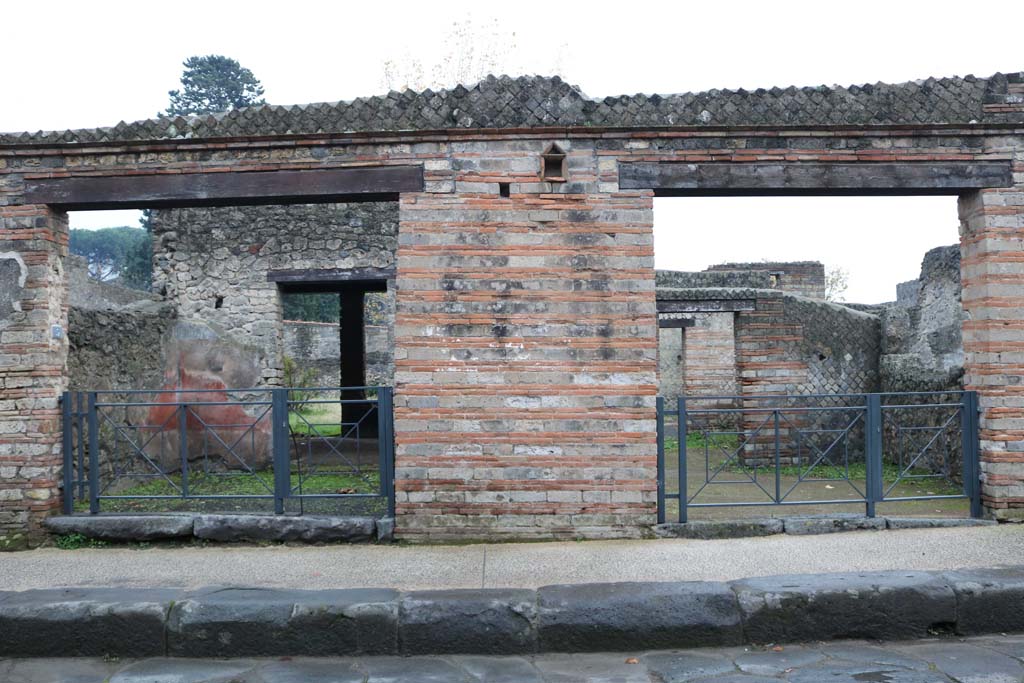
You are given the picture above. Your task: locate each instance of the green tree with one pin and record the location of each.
(115, 253)
(315, 307)
(213, 84)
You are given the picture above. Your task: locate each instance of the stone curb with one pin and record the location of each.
(243, 622)
(228, 528)
(805, 525)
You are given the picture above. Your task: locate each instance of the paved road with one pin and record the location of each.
(514, 565)
(976, 660)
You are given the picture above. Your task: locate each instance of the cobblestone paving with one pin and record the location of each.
(995, 659)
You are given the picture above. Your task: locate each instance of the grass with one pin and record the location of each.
(78, 541)
(799, 485)
(322, 419)
(260, 483)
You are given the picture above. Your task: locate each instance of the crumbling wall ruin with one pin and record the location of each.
(922, 346)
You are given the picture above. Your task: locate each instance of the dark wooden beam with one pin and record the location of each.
(229, 188)
(672, 178)
(676, 322)
(332, 279)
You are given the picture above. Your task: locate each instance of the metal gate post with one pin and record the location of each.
(183, 447)
(68, 499)
(386, 445)
(873, 452)
(681, 464)
(660, 407)
(969, 451)
(94, 456)
(279, 443)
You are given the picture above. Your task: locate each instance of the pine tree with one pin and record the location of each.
(213, 84)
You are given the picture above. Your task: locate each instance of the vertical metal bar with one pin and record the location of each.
(279, 444)
(183, 447)
(386, 410)
(681, 463)
(969, 451)
(94, 456)
(660, 407)
(382, 434)
(79, 413)
(778, 459)
(873, 453)
(66, 427)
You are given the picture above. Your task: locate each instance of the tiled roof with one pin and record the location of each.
(533, 101)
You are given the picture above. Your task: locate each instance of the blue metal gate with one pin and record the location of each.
(328, 450)
(817, 450)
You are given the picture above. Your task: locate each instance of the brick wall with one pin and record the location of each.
(992, 271)
(33, 300)
(525, 354)
(581, 382)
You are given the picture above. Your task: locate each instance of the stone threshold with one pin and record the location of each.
(806, 525)
(226, 528)
(243, 622)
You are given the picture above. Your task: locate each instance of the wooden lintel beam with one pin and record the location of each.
(228, 188)
(673, 178)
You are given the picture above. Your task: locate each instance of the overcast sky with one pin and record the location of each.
(79, 64)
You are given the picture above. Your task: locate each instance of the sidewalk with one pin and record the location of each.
(513, 565)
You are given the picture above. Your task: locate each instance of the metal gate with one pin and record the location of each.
(820, 450)
(328, 450)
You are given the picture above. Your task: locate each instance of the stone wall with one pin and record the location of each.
(118, 337)
(318, 346)
(922, 345)
(806, 278)
(787, 344)
(212, 264)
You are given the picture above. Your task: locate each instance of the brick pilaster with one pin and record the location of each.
(992, 268)
(33, 358)
(526, 361)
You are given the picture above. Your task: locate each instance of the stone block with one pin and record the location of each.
(710, 529)
(829, 524)
(123, 528)
(284, 528)
(988, 600)
(241, 622)
(934, 522)
(84, 622)
(468, 622)
(624, 616)
(870, 605)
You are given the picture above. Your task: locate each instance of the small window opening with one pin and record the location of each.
(553, 166)
(218, 302)
(504, 189)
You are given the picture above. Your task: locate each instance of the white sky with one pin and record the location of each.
(76, 64)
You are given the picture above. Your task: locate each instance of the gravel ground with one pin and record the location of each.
(512, 565)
